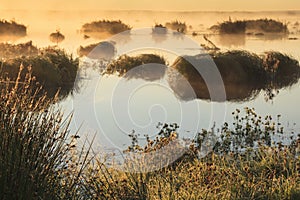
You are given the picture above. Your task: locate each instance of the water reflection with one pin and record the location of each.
(159, 33)
(244, 74)
(181, 87)
(178, 36)
(229, 40)
(9, 38)
(267, 37)
(147, 72)
(122, 38)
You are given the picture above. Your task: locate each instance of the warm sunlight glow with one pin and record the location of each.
(187, 5)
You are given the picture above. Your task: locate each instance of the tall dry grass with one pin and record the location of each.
(36, 146)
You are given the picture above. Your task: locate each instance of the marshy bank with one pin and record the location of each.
(52, 67)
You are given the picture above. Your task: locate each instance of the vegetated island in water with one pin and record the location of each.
(56, 37)
(104, 28)
(12, 28)
(244, 74)
(149, 67)
(178, 26)
(159, 29)
(257, 27)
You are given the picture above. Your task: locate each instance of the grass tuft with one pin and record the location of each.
(36, 159)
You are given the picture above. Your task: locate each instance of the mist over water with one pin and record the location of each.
(41, 23)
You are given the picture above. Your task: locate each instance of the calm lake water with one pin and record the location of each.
(112, 107)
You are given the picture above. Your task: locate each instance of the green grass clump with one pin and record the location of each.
(53, 68)
(104, 27)
(243, 26)
(12, 28)
(36, 147)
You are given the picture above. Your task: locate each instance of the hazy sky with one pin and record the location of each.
(185, 5)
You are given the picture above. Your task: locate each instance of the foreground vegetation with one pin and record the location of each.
(39, 158)
(35, 145)
(270, 176)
